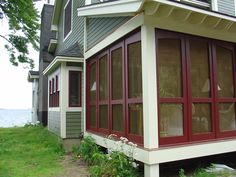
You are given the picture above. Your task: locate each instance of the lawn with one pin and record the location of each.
(29, 152)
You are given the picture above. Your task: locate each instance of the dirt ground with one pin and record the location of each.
(74, 168)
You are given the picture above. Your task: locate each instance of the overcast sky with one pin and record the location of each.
(15, 90)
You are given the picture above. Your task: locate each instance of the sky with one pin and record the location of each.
(15, 90)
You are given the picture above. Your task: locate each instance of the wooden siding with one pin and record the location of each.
(226, 7)
(73, 124)
(99, 28)
(54, 122)
(77, 34)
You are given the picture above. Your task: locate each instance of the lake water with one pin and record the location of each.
(14, 117)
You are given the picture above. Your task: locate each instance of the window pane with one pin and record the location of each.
(116, 59)
(93, 120)
(74, 95)
(170, 79)
(227, 116)
(103, 114)
(67, 19)
(136, 119)
(224, 72)
(93, 82)
(103, 78)
(134, 70)
(117, 118)
(199, 69)
(171, 120)
(201, 118)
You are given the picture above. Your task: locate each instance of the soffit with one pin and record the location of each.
(185, 14)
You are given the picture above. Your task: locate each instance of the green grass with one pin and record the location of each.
(29, 152)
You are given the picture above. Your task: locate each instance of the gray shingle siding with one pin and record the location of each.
(54, 122)
(77, 34)
(44, 59)
(99, 28)
(226, 7)
(73, 124)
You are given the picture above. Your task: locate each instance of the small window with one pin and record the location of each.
(74, 88)
(54, 92)
(67, 18)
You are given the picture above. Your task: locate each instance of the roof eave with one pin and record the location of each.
(56, 13)
(115, 8)
(60, 59)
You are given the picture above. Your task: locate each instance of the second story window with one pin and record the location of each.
(67, 18)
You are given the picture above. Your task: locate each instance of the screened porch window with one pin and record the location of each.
(115, 90)
(196, 88)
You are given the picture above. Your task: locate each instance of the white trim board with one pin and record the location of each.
(174, 153)
(59, 59)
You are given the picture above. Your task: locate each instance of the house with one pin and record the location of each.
(159, 72)
(65, 72)
(40, 81)
(33, 76)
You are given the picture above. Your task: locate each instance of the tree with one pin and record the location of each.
(23, 23)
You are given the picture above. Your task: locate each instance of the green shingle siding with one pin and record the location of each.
(73, 124)
(77, 34)
(98, 28)
(226, 7)
(54, 122)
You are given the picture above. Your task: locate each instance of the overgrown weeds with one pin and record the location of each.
(114, 163)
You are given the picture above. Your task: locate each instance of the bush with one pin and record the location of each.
(113, 164)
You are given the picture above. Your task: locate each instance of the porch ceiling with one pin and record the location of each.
(182, 13)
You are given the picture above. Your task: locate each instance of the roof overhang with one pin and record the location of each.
(188, 19)
(52, 45)
(114, 8)
(58, 60)
(32, 76)
(56, 14)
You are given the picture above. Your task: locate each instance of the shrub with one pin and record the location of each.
(112, 164)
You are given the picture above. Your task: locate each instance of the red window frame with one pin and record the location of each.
(125, 101)
(54, 92)
(88, 102)
(122, 100)
(187, 98)
(102, 102)
(79, 73)
(50, 93)
(132, 39)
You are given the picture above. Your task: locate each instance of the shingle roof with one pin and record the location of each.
(36, 73)
(74, 50)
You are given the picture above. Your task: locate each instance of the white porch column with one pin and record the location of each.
(63, 98)
(214, 5)
(150, 122)
(151, 170)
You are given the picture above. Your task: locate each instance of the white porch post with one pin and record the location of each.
(151, 170)
(214, 5)
(63, 99)
(150, 121)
